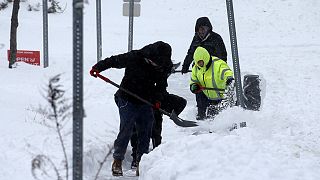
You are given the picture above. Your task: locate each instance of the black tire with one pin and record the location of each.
(251, 92)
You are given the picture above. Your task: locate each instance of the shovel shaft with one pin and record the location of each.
(173, 116)
(123, 89)
(179, 71)
(214, 89)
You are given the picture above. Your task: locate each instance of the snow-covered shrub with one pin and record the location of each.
(3, 4)
(56, 115)
(34, 7)
(54, 7)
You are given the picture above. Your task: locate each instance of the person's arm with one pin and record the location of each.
(195, 86)
(226, 73)
(117, 61)
(220, 47)
(189, 57)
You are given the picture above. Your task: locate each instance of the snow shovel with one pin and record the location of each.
(207, 88)
(179, 71)
(173, 116)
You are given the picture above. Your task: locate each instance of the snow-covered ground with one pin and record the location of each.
(278, 39)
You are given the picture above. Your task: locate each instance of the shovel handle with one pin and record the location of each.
(122, 89)
(178, 121)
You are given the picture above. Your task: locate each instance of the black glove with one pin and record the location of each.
(184, 69)
(195, 88)
(229, 81)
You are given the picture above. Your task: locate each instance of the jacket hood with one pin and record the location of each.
(203, 21)
(157, 49)
(201, 54)
(159, 53)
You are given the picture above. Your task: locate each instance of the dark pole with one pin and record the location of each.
(99, 36)
(77, 89)
(13, 32)
(234, 49)
(130, 41)
(45, 33)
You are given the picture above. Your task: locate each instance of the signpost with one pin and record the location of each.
(45, 33)
(131, 9)
(77, 89)
(99, 36)
(234, 50)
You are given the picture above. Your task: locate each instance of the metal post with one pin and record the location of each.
(130, 42)
(45, 33)
(99, 37)
(77, 89)
(234, 49)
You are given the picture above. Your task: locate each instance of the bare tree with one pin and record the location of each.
(103, 162)
(56, 115)
(13, 32)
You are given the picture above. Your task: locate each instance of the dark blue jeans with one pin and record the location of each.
(140, 115)
(170, 102)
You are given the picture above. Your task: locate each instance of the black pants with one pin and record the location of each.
(171, 102)
(203, 103)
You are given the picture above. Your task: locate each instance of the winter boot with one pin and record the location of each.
(137, 170)
(117, 168)
(134, 164)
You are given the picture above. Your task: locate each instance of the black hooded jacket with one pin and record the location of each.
(141, 77)
(212, 43)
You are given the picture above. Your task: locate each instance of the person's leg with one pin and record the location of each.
(134, 142)
(174, 102)
(128, 115)
(202, 104)
(170, 102)
(157, 129)
(144, 127)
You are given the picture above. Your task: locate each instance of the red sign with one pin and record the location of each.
(30, 57)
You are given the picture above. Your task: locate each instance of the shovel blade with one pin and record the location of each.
(180, 122)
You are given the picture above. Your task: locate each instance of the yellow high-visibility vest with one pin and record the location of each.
(213, 74)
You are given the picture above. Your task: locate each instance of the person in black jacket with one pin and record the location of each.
(146, 73)
(213, 43)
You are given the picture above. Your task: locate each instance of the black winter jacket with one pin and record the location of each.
(213, 44)
(141, 78)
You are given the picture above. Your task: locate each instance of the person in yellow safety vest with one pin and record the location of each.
(209, 74)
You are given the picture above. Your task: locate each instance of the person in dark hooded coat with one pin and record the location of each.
(146, 73)
(213, 43)
(206, 38)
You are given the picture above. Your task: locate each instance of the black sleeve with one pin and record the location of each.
(189, 57)
(220, 48)
(118, 61)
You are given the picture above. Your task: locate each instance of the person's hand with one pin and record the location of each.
(184, 69)
(229, 81)
(94, 72)
(195, 88)
(157, 105)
